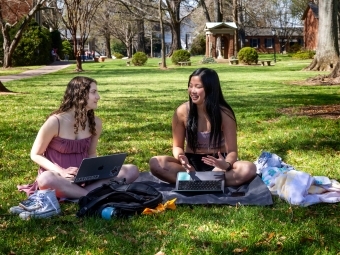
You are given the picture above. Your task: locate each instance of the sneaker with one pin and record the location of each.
(30, 204)
(16, 209)
(47, 204)
(26, 205)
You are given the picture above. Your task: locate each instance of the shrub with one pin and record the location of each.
(248, 55)
(295, 48)
(308, 54)
(34, 47)
(208, 60)
(139, 58)
(67, 49)
(118, 46)
(118, 55)
(198, 45)
(180, 56)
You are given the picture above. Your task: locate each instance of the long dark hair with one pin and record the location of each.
(214, 102)
(76, 95)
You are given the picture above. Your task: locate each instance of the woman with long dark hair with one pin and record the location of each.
(204, 135)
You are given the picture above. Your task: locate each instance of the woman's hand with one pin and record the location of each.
(216, 162)
(69, 173)
(185, 163)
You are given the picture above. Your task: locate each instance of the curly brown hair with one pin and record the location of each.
(76, 95)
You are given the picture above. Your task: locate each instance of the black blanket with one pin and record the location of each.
(253, 193)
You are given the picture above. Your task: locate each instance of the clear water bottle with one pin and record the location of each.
(108, 212)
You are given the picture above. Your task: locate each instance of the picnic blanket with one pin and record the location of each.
(255, 193)
(296, 187)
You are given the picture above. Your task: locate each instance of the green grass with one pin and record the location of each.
(136, 107)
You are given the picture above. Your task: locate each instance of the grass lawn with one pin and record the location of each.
(136, 107)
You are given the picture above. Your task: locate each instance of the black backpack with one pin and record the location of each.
(127, 199)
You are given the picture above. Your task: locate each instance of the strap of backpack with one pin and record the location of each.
(115, 189)
(86, 208)
(129, 188)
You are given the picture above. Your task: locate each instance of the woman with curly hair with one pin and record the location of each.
(69, 135)
(204, 135)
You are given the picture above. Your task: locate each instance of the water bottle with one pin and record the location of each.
(108, 212)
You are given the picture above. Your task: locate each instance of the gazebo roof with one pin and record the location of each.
(220, 28)
(220, 25)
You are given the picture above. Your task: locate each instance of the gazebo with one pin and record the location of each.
(220, 39)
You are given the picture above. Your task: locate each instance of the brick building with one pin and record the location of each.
(282, 40)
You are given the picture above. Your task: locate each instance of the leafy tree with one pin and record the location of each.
(198, 45)
(120, 23)
(51, 18)
(34, 47)
(67, 49)
(10, 43)
(174, 12)
(118, 47)
(77, 18)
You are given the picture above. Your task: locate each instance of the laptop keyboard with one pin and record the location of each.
(206, 185)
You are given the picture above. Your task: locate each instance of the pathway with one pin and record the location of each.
(55, 66)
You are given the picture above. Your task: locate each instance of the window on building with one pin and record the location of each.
(268, 42)
(254, 42)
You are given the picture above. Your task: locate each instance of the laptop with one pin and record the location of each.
(200, 182)
(98, 168)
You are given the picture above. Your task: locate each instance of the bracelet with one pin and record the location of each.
(229, 167)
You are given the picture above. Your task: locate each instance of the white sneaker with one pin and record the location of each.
(46, 204)
(29, 204)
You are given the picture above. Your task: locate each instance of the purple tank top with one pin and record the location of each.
(63, 152)
(203, 138)
(203, 141)
(66, 152)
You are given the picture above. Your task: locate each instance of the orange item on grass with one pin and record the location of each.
(160, 208)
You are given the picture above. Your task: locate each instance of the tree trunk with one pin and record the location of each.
(140, 36)
(327, 53)
(336, 72)
(175, 26)
(3, 88)
(162, 34)
(7, 58)
(129, 48)
(240, 25)
(176, 38)
(10, 45)
(108, 46)
(205, 10)
(217, 11)
(77, 53)
(235, 15)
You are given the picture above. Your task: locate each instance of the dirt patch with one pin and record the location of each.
(319, 111)
(320, 80)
